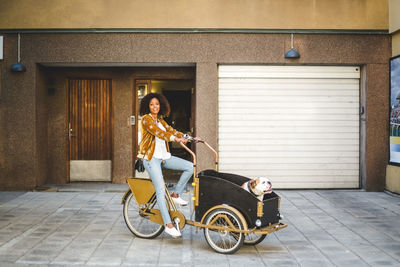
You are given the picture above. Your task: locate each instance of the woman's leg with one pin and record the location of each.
(175, 163)
(153, 167)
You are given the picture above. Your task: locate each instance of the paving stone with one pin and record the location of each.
(281, 262)
(33, 259)
(264, 247)
(243, 258)
(100, 261)
(205, 262)
(384, 263)
(9, 196)
(79, 250)
(315, 262)
(276, 255)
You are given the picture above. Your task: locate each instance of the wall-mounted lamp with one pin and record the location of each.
(18, 67)
(292, 53)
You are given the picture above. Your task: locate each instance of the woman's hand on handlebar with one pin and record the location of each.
(184, 139)
(181, 140)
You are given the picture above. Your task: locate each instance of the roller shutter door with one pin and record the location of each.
(297, 125)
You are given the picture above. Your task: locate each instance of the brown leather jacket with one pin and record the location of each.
(149, 131)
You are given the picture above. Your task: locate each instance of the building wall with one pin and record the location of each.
(41, 135)
(396, 44)
(394, 26)
(394, 18)
(3, 136)
(219, 14)
(23, 106)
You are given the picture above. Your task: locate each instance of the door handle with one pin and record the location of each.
(70, 134)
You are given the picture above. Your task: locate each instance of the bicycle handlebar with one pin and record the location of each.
(194, 155)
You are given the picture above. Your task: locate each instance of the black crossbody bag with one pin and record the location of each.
(139, 165)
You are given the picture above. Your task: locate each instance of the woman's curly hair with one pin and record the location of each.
(164, 104)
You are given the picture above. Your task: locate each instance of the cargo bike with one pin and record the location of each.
(229, 215)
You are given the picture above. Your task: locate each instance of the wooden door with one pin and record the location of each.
(90, 129)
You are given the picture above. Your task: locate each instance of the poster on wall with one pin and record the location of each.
(394, 129)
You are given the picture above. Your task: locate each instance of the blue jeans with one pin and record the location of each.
(153, 167)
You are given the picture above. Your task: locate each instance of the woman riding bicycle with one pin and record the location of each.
(154, 150)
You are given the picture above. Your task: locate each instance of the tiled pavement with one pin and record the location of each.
(70, 228)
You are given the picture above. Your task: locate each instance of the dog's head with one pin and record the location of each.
(260, 186)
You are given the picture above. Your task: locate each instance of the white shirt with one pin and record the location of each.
(160, 151)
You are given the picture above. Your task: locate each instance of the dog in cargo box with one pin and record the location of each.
(258, 187)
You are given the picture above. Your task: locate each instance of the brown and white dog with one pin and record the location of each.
(258, 187)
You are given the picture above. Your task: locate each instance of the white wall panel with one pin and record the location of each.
(297, 125)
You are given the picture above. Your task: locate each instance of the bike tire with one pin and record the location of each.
(141, 226)
(224, 241)
(253, 239)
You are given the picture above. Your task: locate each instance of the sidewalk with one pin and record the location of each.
(82, 225)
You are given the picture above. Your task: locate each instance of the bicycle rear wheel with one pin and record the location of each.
(253, 239)
(139, 224)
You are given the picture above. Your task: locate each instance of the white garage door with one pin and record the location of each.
(297, 125)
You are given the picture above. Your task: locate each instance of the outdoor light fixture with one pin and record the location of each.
(292, 53)
(18, 67)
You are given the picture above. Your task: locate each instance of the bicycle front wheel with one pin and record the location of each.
(139, 224)
(224, 241)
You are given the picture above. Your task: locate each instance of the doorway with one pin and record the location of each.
(180, 95)
(89, 129)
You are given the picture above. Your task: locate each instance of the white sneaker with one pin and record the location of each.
(173, 232)
(180, 201)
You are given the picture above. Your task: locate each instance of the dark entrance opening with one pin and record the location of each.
(179, 93)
